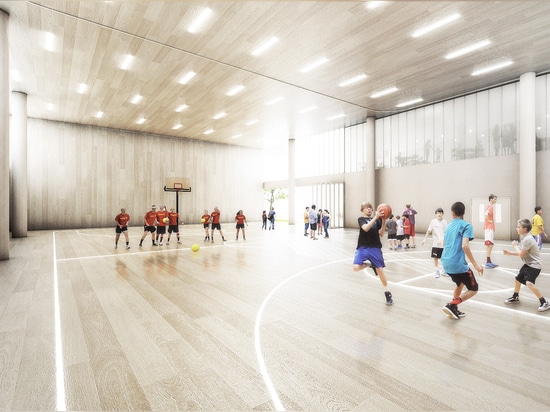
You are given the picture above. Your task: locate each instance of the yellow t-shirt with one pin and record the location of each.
(537, 221)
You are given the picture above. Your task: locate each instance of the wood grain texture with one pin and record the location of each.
(163, 328)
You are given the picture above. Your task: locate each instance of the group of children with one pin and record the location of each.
(212, 221)
(451, 245)
(399, 229)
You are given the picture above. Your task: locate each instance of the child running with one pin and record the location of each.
(457, 248)
(529, 252)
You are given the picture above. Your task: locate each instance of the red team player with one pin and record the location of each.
(149, 225)
(161, 224)
(205, 219)
(173, 225)
(122, 220)
(240, 218)
(216, 223)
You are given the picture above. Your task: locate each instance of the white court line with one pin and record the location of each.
(59, 372)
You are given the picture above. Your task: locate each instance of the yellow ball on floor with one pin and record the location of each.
(195, 248)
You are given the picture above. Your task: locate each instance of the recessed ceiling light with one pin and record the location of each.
(492, 68)
(336, 116)
(199, 20)
(410, 102)
(209, 131)
(236, 136)
(371, 5)
(50, 106)
(353, 80)
(141, 121)
(309, 109)
(137, 98)
(181, 108)
(251, 122)
(233, 91)
(275, 100)
(384, 92)
(178, 126)
(82, 88)
(186, 77)
(265, 46)
(49, 41)
(468, 49)
(128, 59)
(436, 25)
(219, 115)
(314, 65)
(99, 114)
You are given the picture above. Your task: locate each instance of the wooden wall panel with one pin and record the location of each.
(80, 176)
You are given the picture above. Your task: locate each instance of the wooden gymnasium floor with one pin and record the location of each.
(274, 322)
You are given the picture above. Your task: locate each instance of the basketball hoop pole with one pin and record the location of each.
(178, 190)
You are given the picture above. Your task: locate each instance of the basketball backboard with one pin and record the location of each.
(174, 184)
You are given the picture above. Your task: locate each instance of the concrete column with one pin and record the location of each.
(291, 181)
(527, 146)
(19, 181)
(370, 166)
(4, 139)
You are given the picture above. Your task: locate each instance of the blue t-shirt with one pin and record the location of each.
(453, 258)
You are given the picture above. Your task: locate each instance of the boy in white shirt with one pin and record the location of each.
(437, 229)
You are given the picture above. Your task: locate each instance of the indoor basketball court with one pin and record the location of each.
(278, 321)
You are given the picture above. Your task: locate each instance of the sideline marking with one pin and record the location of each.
(59, 372)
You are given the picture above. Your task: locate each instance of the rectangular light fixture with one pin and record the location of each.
(50, 106)
(49, 41)
(314, 65)
(436, 25)
(492, 68)
(336, 116)
(137, 98)
(413, 101)
(209, 131)
(233, 91)
(82, 88)
(309, 109)
(186, 77)
(128, 59)
(219, 115)
(384, 92)
(181, 108)
(265, 46)
(353, 80)
(177, 127)
(468, 49)
(251, 122)
(141, 121)
(99, 114)
(236, 136)
(199, 20)
(273, 101)
(371, 5)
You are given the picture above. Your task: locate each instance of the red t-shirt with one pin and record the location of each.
(215, 217)
(206, 217)
(240, 219)
(122, 219)
(173, 216)
(160, 216)
(150, 218)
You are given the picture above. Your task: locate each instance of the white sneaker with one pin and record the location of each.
(437, 273)
(545, 306)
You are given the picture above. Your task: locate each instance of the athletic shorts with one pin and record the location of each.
(467, 279)
(216, 226)
(161, 230)
(239, 225)
(436, 252)
(527, 274)
(121, 229)
(313, 226)
(173, 229)
(489, 237)
(400, 237)
(373, 254)
(392, 236)
(149, 229)
(206, 225)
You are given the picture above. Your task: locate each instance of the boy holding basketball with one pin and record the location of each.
(457, 247)
(162, 220)
(369, 247)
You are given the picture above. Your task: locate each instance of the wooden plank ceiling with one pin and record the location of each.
(90, 39)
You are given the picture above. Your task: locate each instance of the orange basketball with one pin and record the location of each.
(385, 210)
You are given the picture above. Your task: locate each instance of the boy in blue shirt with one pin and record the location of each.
(457, 248)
